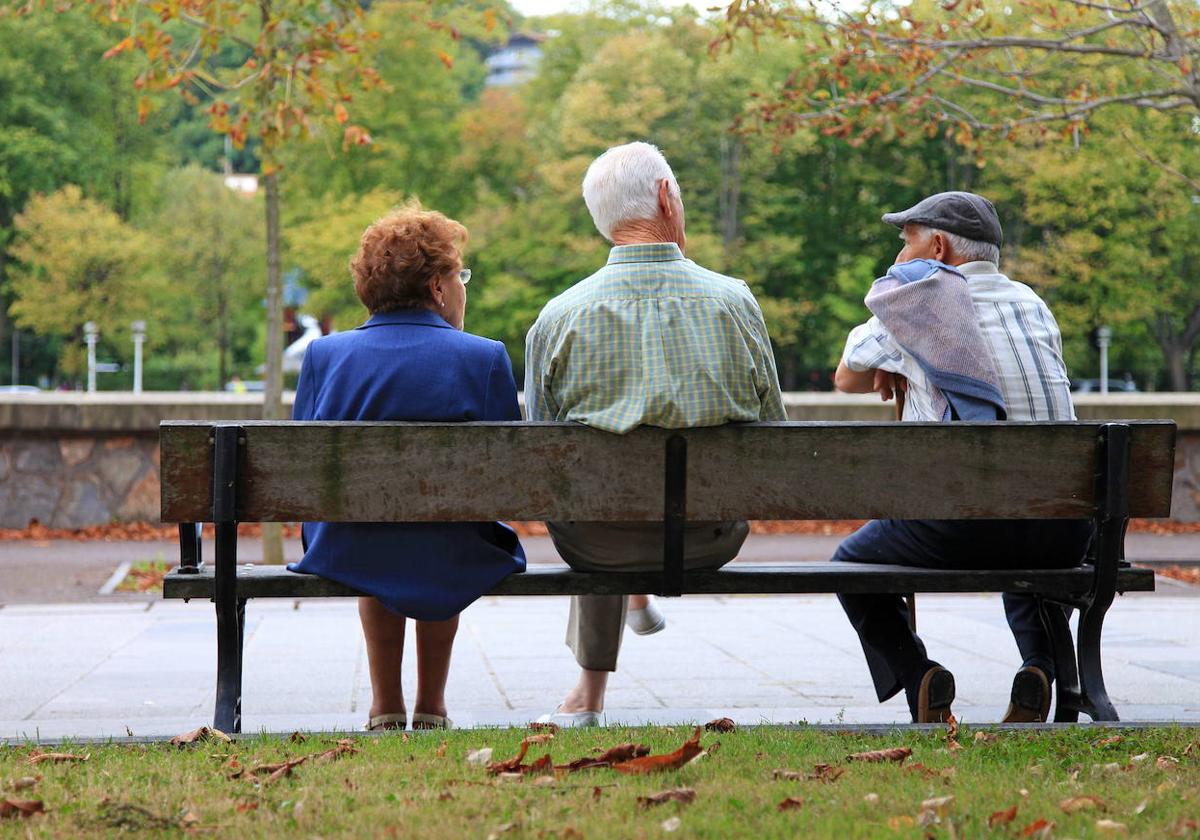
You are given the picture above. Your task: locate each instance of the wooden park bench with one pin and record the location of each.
(424, 472)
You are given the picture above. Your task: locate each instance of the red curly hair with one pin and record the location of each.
(400, 253)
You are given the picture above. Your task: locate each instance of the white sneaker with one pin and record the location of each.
(571, 720)
(645, 621)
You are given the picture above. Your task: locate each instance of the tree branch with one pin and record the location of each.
(1163, 165)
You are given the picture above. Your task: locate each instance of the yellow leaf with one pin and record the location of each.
(446, 59)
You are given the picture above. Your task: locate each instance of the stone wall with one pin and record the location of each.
(71, 460)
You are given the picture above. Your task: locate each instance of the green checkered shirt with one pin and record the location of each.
(651, 339)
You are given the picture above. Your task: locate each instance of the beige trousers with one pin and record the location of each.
(596, 622)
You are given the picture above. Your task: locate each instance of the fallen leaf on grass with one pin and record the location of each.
(24, 782)
(204, 733)
(952, 734)
(871, 799)
(929, 772)
(1142, 806)
(189, 820)
(503, 829)
(1111, 767)
(552, 728)
(902, 821)
(481, 757)
(441, 750)
(792, 803)
(545, 781)
(1111, 827)
(893, 754)
(1184, 826)
(939, 804)
(445, 796)
(615, 755)
(275, 772)
(986, 737)
(10, 808)
(1139, 758)
(1167, 762)
(297, 737)
(244, 807)
(684, 796)
(344, 746)
(1194, 746)
(1038, 828)
(671, 824)
(827, 773)
(1002, 817)
(56, 758)
(720, 725)
(1109, 741)
(235, 768)
(671, 761)
(597, 793)
(540, 739)
(1082, 803)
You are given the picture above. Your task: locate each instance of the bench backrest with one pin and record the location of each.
(397, 472)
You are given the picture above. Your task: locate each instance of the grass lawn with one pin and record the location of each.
(1086, 783)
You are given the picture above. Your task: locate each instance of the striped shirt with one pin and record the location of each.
(651, 339)
(1018, 328)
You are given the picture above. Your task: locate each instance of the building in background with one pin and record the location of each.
(516, 61)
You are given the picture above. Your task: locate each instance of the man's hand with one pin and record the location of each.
(887, 384)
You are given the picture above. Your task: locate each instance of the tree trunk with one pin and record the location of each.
(730, 194)
(273, 383)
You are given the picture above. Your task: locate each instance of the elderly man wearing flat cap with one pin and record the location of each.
(960, 341)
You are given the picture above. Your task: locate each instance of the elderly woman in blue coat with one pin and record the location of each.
(411, 360)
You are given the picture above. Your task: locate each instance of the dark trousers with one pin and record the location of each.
(895, 654)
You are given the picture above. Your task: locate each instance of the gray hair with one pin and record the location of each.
(965, 249)
(622, 185)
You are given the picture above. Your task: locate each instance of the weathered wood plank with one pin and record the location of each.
(278, 582)
(391, 472)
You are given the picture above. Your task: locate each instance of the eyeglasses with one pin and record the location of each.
(465, 276)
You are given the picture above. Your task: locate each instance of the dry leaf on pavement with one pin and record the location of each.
(720, 725)
(1002, 817)
(893, 754)
(1082, 803)
(671, 761)
(10, 808)
(204, 733)
(684, 796)
(792, 803)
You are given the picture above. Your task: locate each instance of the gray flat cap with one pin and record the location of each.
(964, 213)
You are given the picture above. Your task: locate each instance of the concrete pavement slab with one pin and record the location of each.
(105, 669)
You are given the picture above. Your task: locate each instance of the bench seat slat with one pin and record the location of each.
(809, 578)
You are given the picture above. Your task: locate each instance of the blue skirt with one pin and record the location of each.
(430, 572)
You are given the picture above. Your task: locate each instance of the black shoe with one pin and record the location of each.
(934, 696)
(1030, 700)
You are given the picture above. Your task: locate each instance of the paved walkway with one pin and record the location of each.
(148, 668)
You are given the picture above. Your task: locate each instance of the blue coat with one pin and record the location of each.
(409, 365)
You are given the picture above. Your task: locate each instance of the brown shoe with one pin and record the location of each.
(1030, 700)
(935, 696)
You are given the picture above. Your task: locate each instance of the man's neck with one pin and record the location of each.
(641, 233)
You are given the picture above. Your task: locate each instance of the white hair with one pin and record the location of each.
(622, 185)
(965, 249)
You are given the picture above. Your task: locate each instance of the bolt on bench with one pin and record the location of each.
(276, 471)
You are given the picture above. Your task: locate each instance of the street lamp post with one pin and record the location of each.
(1103, 339)
(90, 334)
(139, 338)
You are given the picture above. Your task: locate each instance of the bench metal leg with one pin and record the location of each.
(1067, 694)
(230, 619)
(1091, 676)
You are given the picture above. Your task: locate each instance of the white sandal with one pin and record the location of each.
(381, 723)
(571, 720)
(649, 619)
(421, 720)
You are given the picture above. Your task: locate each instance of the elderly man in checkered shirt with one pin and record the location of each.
(649, 339)
(961, 230)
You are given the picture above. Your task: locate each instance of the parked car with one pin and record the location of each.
(20, 389)
(1092, 386)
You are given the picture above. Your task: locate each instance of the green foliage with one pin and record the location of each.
(76, 261)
